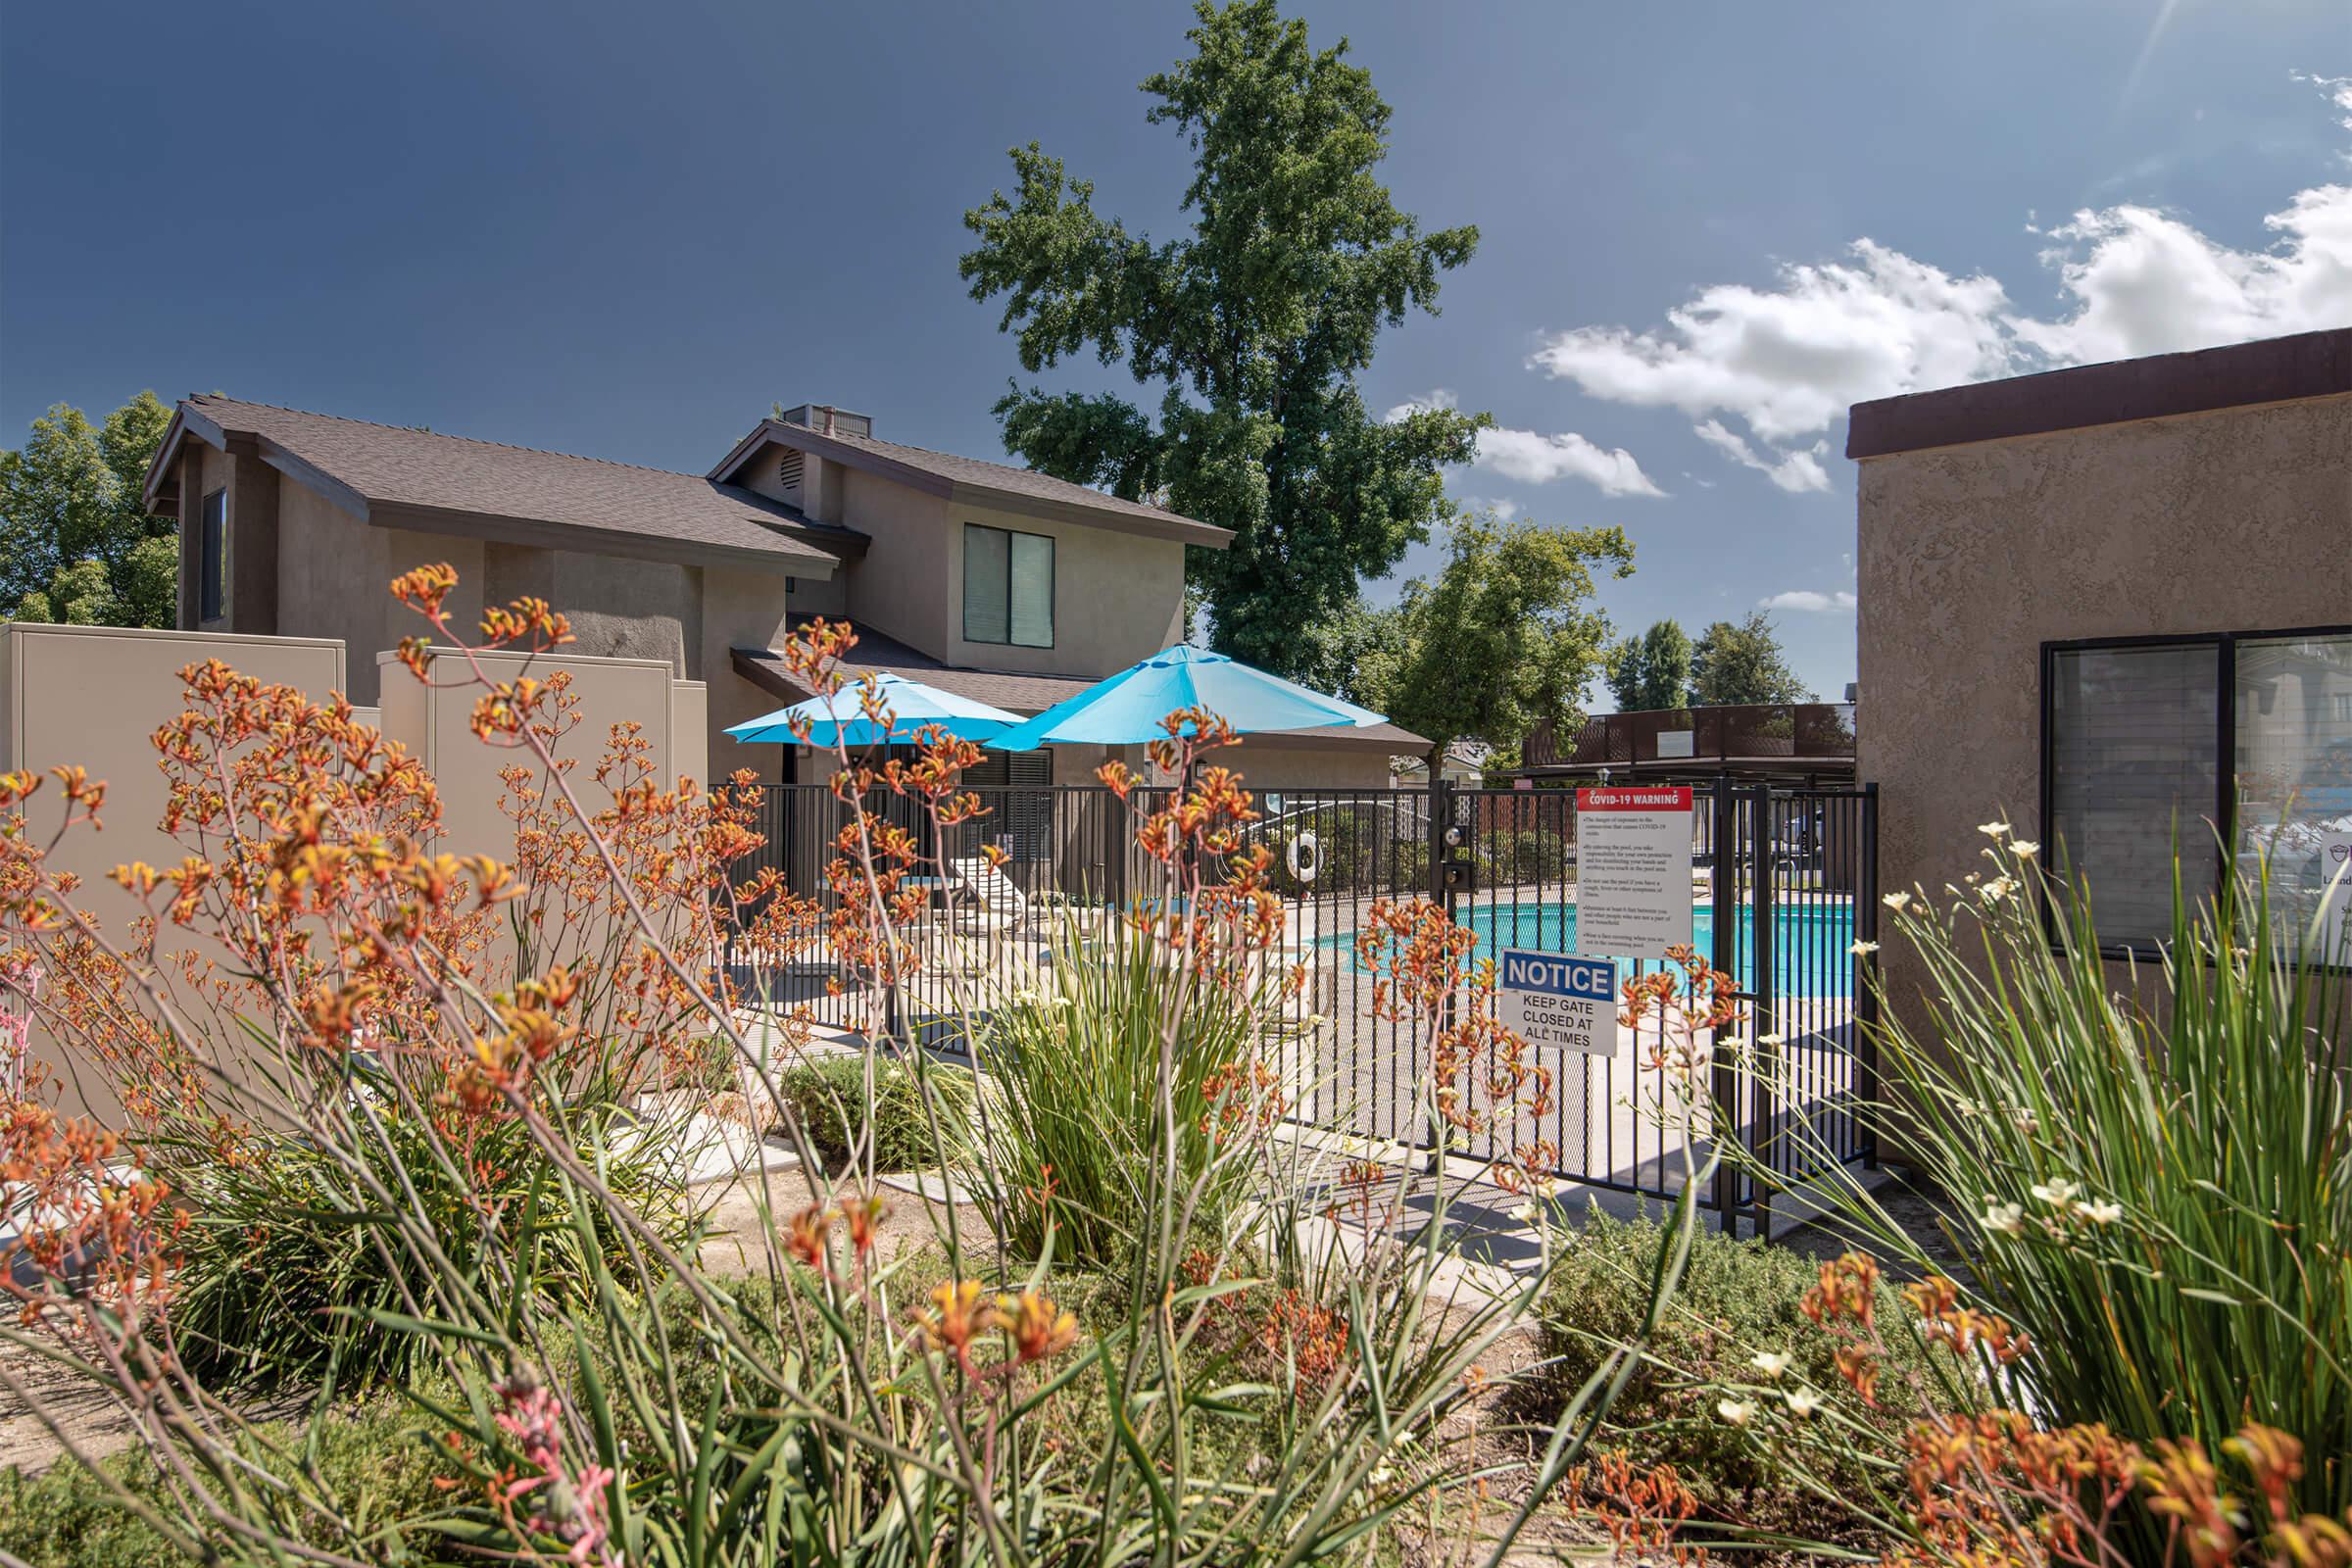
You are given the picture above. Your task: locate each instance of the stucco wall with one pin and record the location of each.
(1265, 765)
(742, 610)
(334, 579)
(902, 583)
(1970, 557)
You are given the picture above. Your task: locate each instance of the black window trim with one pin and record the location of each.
(2225, 739)
(1052, 587)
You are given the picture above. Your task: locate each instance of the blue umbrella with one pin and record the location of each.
(1127, 708)
(913, 705)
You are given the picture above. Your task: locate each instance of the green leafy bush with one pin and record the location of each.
(375, 1465)
(1738, 1300)
(829, 1096)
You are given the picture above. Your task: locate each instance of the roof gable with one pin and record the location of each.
(395, 476)
(975, 482)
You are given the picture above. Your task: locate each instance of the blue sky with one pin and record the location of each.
(581, 228)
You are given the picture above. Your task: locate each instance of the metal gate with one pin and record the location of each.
(1785, 884)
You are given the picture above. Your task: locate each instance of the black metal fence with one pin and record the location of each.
(1784, 884)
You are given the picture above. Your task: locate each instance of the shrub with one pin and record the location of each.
(2156, 1194)
(1738, 1300)
(374, 1464)
(829, 1095)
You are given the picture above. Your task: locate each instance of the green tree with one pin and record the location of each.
(1254, 326)
(75, 543)
(1653, 671)
(1506, 636)
(1743, 663)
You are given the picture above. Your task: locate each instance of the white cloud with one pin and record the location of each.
(1533, 457)
(1436, 397)
(1807, 599)
(1786, 358)
(1789, 360)
(1797, 471)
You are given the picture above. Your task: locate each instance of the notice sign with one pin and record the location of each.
(1632, 870)
(2336, 885)
(1567, 1003)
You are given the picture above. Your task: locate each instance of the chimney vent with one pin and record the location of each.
(826, 419)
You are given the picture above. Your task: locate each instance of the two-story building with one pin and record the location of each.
(996, 582)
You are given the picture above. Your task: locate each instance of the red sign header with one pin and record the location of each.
(1660, 797)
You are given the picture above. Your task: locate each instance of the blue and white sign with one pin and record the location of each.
(1552, 1000)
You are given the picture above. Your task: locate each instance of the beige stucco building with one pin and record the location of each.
(1001, 583)
(2102, 602)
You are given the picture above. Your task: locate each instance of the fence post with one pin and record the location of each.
(1724, 894)
(1764, 1010)
(1440, 818)
(1866, 992)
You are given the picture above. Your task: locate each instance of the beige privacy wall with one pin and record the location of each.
(95, 695)
(434, 720)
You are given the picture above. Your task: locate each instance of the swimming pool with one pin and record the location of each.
(1810, 948)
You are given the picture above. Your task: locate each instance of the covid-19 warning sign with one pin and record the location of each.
(1632, 870)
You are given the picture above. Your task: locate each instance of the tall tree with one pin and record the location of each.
(1254, 326)
(1743, 663)
(75, 543)
(1653, 671)
(1506, 635)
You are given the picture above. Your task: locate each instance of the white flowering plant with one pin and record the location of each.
(2144, 1170)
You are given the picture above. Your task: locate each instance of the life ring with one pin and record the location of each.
(1300, 856)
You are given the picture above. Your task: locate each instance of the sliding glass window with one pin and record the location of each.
(2184, 745)
(1007, 587)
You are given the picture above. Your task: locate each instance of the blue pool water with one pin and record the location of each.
(1810, 950)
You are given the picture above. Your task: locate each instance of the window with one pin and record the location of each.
(2242, 738)
(1007, 587)
(212, 557)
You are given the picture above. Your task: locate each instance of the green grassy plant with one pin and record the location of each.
(2149, 1168)
(1067, 1138)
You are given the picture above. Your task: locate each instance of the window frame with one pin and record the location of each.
(212, 558)
(2225, 742)
(1052, 587)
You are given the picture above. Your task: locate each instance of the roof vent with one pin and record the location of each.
(827, 420)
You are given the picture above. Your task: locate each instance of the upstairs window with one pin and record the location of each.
(2237, 739)
(1007, 587)
(212, 557)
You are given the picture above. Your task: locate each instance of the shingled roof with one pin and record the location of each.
(976, 482)
(409, 478)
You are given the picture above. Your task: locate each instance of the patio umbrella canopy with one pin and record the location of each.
(1126, 708)
(840, 719)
